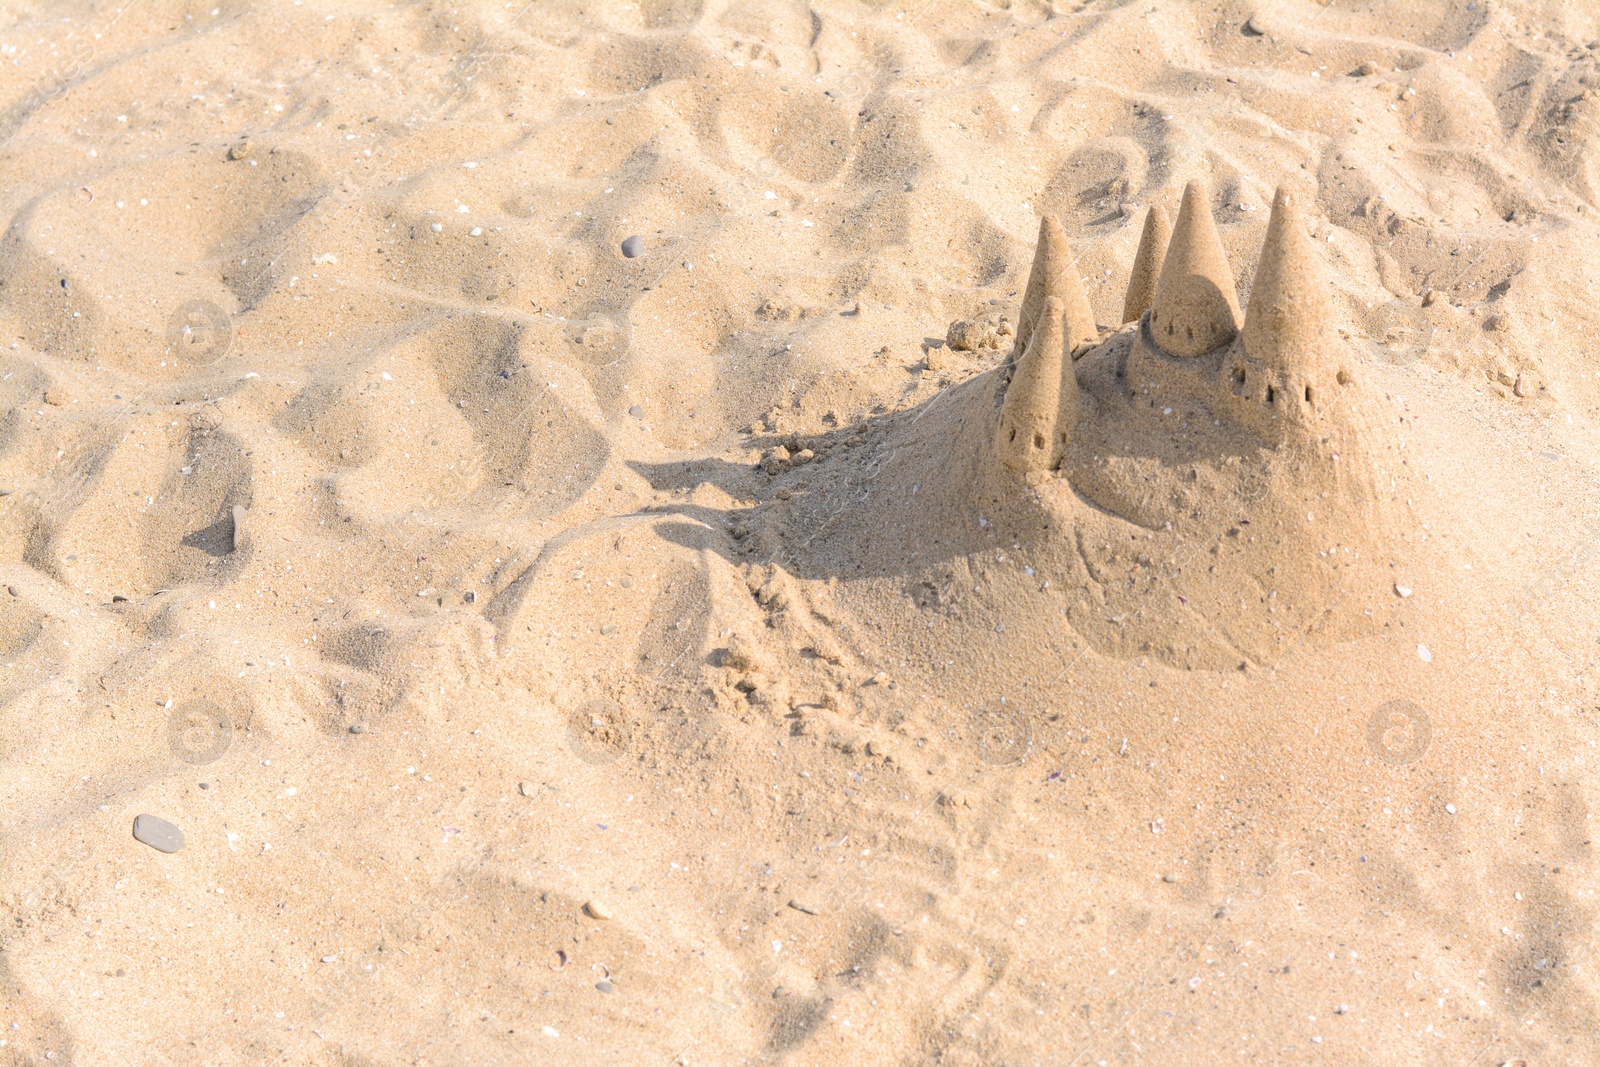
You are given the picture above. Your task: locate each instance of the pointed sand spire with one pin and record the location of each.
(1054, 274)
(1147, 263)
(1028, 438)
(1289, 318)
(1195, 309)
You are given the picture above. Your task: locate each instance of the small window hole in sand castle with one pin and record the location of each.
(1235, 445)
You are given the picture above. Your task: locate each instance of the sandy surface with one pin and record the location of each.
(554, 656)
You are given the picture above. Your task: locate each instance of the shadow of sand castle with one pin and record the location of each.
(1197, 485)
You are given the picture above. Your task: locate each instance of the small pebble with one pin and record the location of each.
(633, 247)
(525, 788)
(159, 834)
(1343, 1009)
(357, 728)
(1169, 878)
(238, 526)
(804, 909)
(437, 227)
(605, 987)
(597, 910)
(241, 149)
(1451, 808)
(636, 411)
(330, 959)
(1402, 591)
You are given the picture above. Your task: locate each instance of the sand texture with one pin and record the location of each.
(710, 533)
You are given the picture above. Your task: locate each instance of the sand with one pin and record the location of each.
(551, 653)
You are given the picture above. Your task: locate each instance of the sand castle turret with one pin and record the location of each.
(1285, 363)
(1195, 309)
(1037, 414)
(1054, 274)
(1289, 318)
(1275, 371)
(1243, 437)
(1147, 263)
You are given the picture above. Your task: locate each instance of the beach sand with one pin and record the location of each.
(566, 510)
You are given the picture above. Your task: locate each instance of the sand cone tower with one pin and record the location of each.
(1195, 309)
(1029, 438)
(1147, 263)
(1054, 275)
(1285, 370)
(1289, 322)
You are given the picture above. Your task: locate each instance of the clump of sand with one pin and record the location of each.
(714, 533)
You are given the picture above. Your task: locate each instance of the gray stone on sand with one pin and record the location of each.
(159, 834)
(633, 247)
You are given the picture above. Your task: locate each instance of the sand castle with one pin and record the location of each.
(1197, 485)
(1274, 374)
(1233, 447)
